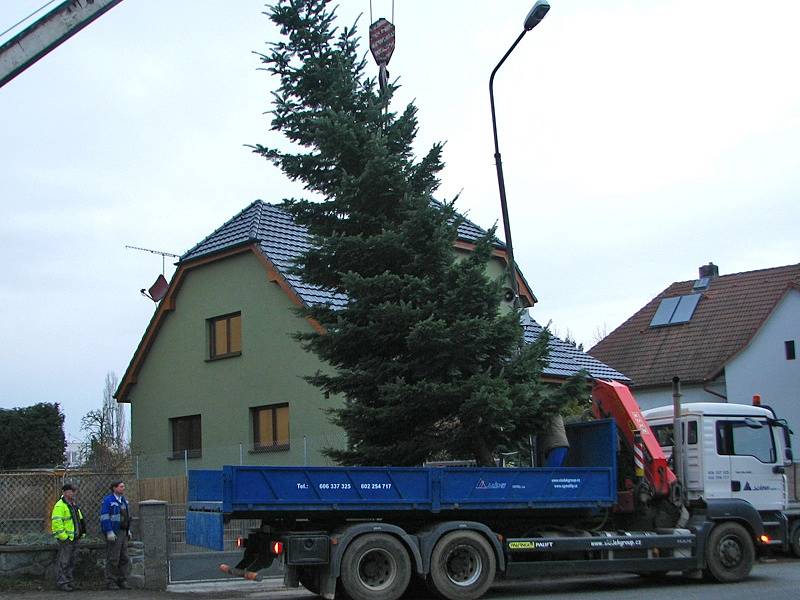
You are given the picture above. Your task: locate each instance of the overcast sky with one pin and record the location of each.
(640, 139)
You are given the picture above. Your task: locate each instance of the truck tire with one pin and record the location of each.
(375, 566)
(729, 553)
(462, 566)
(794, 539)
(309, 579)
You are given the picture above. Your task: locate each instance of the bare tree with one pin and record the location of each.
(105, 445)
(599, 334)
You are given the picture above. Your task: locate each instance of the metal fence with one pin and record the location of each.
(299, 450)
(176, 531)
(28, 498)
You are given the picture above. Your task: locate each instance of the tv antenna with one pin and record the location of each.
(159, 289)
(163, 255)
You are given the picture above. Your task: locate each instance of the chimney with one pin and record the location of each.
(710, 270)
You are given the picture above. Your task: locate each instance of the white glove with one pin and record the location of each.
(111, 536)
(130, 535)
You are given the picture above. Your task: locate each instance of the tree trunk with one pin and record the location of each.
(483, 454)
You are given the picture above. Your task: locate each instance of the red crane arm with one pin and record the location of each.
(611, 399)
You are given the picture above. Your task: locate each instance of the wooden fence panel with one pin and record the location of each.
(169, 489)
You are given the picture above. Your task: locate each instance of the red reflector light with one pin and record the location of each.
(277, 548)
(240, 543)
(764, 539)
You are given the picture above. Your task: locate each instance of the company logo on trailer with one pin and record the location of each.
(494, 485)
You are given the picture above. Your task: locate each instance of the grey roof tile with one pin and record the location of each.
(565, 359)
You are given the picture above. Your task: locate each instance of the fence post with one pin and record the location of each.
(153, 515)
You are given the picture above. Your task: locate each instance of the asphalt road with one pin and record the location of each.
(780, 580)
(204, 566)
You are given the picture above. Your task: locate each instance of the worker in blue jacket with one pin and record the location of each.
(115, 521)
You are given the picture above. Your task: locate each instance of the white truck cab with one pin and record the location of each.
(736, 451)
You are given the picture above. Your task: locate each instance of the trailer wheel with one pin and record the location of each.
(309, 579)
(794, 539)
(375, 566)
(729, 553)
(462, 566)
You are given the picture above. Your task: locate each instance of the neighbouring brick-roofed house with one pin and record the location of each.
(217, 377)
(727, 337)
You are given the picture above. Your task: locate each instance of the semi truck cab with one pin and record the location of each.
(736, 451)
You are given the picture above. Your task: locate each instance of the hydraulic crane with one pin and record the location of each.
(47, 33)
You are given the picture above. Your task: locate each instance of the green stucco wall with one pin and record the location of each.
(176, 378)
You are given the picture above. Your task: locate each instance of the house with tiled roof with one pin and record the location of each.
(727, 337)
(217, 377)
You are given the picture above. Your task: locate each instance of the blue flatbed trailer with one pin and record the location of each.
(370, 529)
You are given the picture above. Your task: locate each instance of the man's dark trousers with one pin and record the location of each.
(118, 566)
(65, 562)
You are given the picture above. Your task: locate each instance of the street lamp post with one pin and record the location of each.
(535, 15)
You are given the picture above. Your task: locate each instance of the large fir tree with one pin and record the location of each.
(427, 362)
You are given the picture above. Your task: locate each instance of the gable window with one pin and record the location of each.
(225, 336)
(789, 347)
(186, 437)
(270, 427)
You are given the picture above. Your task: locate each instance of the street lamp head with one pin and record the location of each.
(537, 13)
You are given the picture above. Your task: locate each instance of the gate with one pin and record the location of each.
(193, 564)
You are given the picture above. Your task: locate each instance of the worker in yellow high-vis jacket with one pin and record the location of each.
(68, 527)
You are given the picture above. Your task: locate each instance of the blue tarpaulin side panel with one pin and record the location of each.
(327, 488)
(587, 481)
(527, 488)
(205, 485)
(205, 529)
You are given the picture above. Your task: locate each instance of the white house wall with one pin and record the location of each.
(762, 368)
(654, 397)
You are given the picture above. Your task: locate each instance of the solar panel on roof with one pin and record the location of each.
(685, 309)
(665, 311)
(675, 310)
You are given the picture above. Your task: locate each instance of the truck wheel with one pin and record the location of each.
(729, 553)
(375, 567)
(462, 565)
(794, 539)
(309, 579)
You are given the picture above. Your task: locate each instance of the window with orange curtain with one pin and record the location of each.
(225, 336)
(270, 427)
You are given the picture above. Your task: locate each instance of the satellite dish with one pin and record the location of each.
(158, 290)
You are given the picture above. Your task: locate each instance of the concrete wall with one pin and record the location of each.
(177, 380)
(39, 561)
(762, 368)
